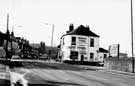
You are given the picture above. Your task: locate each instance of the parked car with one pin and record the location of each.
(16, 60)
(44, 56)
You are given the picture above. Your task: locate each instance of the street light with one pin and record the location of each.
(132, 36)
(52, 32)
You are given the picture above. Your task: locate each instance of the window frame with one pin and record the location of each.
(73, 42)
(92, 42)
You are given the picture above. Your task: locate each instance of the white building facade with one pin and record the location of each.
(80, 44)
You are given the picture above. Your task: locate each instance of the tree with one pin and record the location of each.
(42, 47)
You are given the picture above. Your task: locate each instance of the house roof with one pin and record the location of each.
(102, 50)
(82, 30)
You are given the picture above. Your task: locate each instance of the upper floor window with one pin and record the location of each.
(91, 42)
(73, 41)
(105, 55)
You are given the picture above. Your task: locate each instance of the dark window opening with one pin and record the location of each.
(105, 55)
(91, 42)
(73, 41)
(74, 55)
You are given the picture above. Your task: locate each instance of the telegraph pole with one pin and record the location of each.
(52, 35)
(7, 38)
(132, 37)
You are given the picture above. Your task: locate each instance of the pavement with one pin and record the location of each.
(4, 75)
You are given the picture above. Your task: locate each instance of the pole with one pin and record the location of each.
(12, 39)
(7, 35)
(52, 36)
(118, 51)
(132, 37)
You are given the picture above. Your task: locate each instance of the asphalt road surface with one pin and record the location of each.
(60, 74)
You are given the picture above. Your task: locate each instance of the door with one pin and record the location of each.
(82, 58)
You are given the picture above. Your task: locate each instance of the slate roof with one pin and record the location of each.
(82, 30)
(102, 50)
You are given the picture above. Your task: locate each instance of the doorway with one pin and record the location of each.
(82, 58)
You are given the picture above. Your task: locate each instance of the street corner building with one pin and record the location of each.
(81, 44)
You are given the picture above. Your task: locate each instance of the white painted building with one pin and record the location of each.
(80, 44)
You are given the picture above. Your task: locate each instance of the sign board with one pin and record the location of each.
(114, 50)
(82, 40)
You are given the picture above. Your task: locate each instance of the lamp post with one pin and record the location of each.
(50, 51)
(52, 33)
(132, 36)
(7, 39)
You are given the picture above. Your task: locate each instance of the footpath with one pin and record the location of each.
(4, 75)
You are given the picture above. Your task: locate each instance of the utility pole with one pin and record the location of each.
(7, 37)
(132, 37)
(52, 35)
(12, 35)
(118, 51)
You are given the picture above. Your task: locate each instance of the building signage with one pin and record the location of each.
(72, 47)
(82, 50)
(82, 40)
(114, 50)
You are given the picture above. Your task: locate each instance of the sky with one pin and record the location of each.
(34, 19)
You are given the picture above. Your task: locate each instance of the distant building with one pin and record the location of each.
(81, 44)
(103, 53)
(123, 55)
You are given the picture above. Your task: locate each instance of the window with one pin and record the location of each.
(91, 55)
(105, 55)
(73, 41)
(91, 42)
(74, 55)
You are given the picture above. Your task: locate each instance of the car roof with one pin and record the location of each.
(16, 56)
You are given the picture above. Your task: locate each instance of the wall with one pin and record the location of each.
(122, 64)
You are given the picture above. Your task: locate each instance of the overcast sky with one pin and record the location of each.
(108, 18)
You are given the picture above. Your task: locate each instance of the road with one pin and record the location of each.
(60, 74)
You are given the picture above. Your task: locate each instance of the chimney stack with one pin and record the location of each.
(71, 27)
(87, 27)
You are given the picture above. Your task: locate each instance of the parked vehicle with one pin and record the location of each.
(16, 60)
